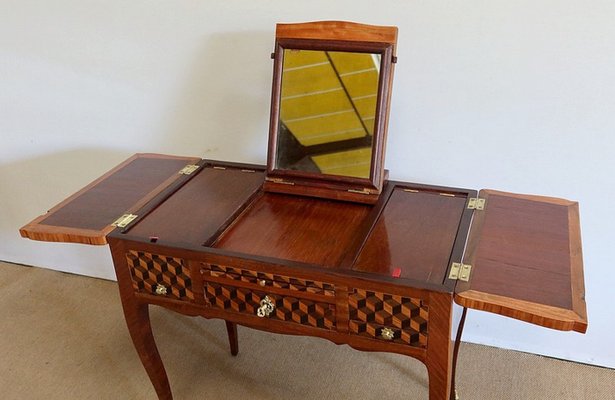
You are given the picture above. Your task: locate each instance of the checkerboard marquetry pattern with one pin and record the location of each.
(290, 309)
(370, 312)
(150, 270)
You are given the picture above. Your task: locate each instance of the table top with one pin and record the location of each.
(525, 251)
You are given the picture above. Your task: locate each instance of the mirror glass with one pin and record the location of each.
(327, 112)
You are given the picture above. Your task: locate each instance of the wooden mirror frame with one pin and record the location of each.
(333, 36)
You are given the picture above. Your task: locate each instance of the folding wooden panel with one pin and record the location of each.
(526, 259)
(87, 216)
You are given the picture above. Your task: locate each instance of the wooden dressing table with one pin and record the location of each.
(377, 269)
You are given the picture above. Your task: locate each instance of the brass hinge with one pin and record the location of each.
(460, 272)
(279, 180)
(476, 203)
(361, 191)
(188, 169)
(124, 220)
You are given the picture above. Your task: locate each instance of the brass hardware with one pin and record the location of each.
(361, 191)
(476, 204)
(447, 194)
(279, 180)
(124, 220)
(188, 169)
(454, 274)
(218, 167)
(160, 289)
(248, 170)
(262, 282)
(460, 272)
(464, 275)
(266, 308)
(387, 333)
(456, 395)
(411, 190)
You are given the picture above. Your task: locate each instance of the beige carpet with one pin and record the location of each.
(63, 337)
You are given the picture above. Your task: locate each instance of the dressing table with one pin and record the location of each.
(319, 242)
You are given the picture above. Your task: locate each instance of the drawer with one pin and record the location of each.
(160, 275)
(265, 280)
(285, 308)
(388, 317)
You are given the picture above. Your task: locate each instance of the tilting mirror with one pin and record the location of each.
(329, 114)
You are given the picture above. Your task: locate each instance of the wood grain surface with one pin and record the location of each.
(296, 228)
(195, 212)
(337, 30)
(414, 234)
(527, 262)
(86, 216)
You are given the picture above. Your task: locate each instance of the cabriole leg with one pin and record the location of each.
(137, 319)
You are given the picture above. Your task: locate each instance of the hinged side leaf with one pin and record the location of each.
(526, 258)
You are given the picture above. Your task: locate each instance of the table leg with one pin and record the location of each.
(231, 329)
(454, 395)
(439, 346)
(137, 319)
(136, 314)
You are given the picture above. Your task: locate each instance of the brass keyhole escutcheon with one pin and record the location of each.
(266, 308)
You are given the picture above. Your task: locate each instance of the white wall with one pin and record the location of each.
(510, 95)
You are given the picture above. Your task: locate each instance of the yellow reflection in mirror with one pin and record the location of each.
(354, 163)
(327, 112)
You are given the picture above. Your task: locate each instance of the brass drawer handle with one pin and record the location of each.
(262, 282)
(387, 333)
(266, 308)
(160, 289)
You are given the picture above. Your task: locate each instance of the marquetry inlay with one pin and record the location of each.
(290, 309)
(160, 275)
(371, 313)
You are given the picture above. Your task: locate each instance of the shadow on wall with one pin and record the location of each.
(31, 186)
(222, 110)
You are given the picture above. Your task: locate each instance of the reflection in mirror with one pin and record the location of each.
(327, 112)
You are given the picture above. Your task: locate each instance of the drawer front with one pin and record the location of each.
(160, 275)
(388, 317)
(286, 308)
(265, 280)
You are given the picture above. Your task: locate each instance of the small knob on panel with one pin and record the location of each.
(262, 282)
(160, 289)
(387, 333)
